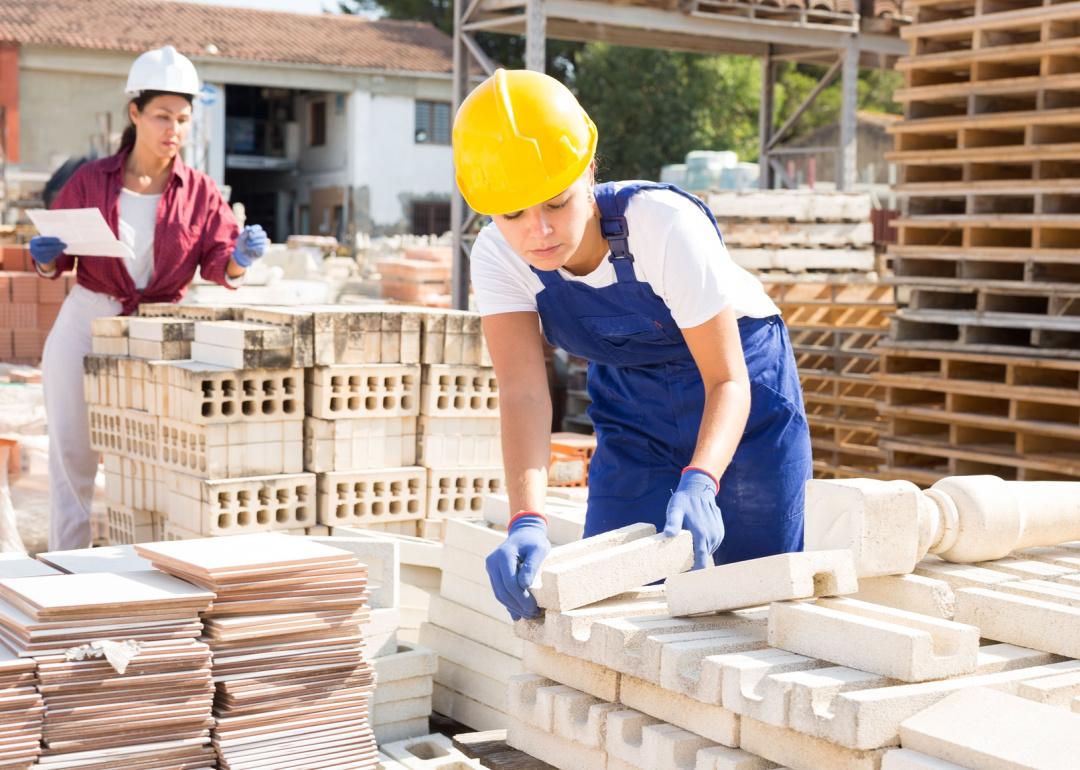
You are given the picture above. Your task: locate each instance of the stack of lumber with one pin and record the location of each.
(988, 244)
(795, 230)
(153, 712)
(835, 323)
(292, 683)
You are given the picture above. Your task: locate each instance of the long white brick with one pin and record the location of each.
(913, 593)
(598, 681)
(472, 684)
(556, 751)
(802, 752)
(727, 758)
(990, 729)
(468, 653)
(682, 660)
(1021, 620)
(463, 620)
(582, 718)
(737, 680)
(606, 565)
(906, 759)
(466, 710)
(894, 643)
(761, 581)
(713, 722)
(1060, 690)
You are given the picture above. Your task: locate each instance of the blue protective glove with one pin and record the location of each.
(251, 245)
(513, 565)
(693, 507)
(44, 249)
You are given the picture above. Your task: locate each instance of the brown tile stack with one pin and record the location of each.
(20, 712)
(293, 688)
(983, 368)
(421, 275)
(29, 306)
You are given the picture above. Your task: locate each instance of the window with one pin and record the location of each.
(432, 122)
(317, 129)
(430, 217)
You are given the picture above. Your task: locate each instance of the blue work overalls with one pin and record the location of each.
(648, 399)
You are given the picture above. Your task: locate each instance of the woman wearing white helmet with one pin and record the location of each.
(173, 219)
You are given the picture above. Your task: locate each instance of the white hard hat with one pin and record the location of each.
(163, 69)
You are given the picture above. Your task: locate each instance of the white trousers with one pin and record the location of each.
(72, 463)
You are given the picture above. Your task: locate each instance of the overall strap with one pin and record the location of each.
(547, 277)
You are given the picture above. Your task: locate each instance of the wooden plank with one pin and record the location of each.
(492, 751)
(1005, 20)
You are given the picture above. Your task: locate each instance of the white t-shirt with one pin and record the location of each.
(138, 217)
(676, 251)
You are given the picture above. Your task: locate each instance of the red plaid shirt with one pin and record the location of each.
(195, 228)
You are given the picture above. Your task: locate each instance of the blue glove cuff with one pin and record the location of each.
(696, 479)
(527, 520)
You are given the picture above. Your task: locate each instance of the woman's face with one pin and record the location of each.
(548, 234)
(163, 124)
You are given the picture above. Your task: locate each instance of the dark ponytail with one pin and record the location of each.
(127, 139)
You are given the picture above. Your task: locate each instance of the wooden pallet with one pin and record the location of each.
(1010, 333)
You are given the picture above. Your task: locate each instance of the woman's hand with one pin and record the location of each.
(250, 246)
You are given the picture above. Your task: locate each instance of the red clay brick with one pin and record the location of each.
(24, 287)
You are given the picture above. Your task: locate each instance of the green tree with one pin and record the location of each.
(653, 106)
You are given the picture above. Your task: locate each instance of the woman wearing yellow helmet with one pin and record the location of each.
(693, 382)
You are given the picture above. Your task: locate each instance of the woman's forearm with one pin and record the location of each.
(727, 406)
(526, 445)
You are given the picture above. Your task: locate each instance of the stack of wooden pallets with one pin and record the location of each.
(835, 323)
(989, 244)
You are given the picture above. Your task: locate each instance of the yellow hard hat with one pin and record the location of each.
(520, 138)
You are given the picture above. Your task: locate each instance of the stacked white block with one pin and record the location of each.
(459, 441)
(787, 673)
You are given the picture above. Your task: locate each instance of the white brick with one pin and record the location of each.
(1060, 690)
(459, 442)
(598, 681)
(468, 653)
(761, 581)
(361, 498)
(557, 752)
(463, 620)
(906, 759)
(726, 758)
(713, 722)
(682, 659)
(606, 565)
(359, 444)
(403, 689)
(882, 640)
(466, 710)
(460, 491)
(1021, 620)
(383, 569)
(459, 391)
(396, 731)
(738, 680)
(472, 684)
(1028, 569)
(913, 593)
(625, 737)
(428, 752)
(379, 390)
(409, 662)
(582, 718)
(802, 752)
(994, 730)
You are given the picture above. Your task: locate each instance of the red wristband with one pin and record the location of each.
(702, 470)
(523, 514)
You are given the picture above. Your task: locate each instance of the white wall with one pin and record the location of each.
(399, 168)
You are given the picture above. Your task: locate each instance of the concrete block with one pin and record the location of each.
(738, 680)
(459, 442)
(868, 719)
(206, 394)
(359, 444)
(894, 643)
(345, 391)
(428, 752)
(635, 645)
(581, 718)
(625, 737)
(598, 681)
(571, 631)
(1044, 590)
(361, 498)
(803, 752)
(660, 747)
(557, 752)
(160, 329)
(470, 536)
(414, 552)
(469, 653)
(233, 506)
(159, 351)
(682, 659)
(716, 723)
(566, 520)
(231, 450)
(912, 593)
(299, 320)
(463, 620)
(460, 491)
(531, 699)
(410, 661)
(382, 558)
(397, 731)
(241, 335)
(1021, 620)
(877, 520)
(989, 729)
(467, 711)
(1060, 690)
(960, 575)
(1028, 569)
(478, 596)
(761, 581)
(459, 391)
(606, 565)
(376, 645)
(403, 710)
(403, 689)
(472, 684)
(906, 759)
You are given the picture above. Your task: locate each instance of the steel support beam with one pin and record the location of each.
(847, 155)
(535, 36)
(765, 118)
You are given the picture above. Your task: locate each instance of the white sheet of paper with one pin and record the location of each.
(85, 232)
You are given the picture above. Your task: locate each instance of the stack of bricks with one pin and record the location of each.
(471, 632)
(875, 649)
(982, 365)
(29, 306)
(836, 323)
(227, 420)
(420, 275)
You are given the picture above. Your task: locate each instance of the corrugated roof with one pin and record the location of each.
(135, 26)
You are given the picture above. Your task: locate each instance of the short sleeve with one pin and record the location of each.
(697, 269)
(496, 280)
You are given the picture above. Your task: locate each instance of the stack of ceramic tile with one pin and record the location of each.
(155, 712)
(292, 682)
(20, 712)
